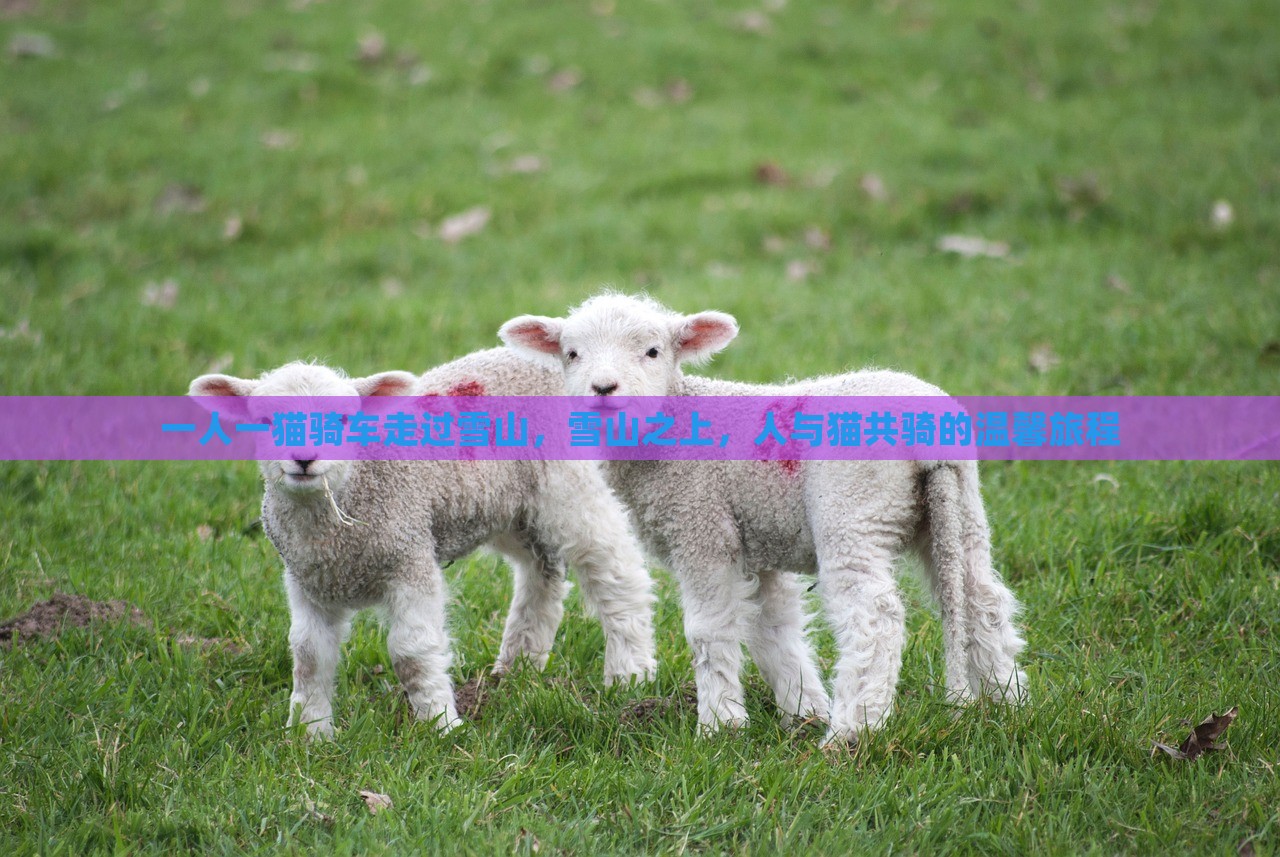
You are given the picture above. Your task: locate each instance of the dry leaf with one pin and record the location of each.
(678, 91)
(564, 80)
(1042, 359)
(1119, 283)
(773, 244)
(279, 139)
(204, 532)
(1203, 737)
(526, 164)
(800, 269)
(817, 238)
(375, 802)
(454, 229)
(771, 174)
(232, 227)
(873, 186)
(1108, 479)
(179, 198)
(163, 294)
(753, 22)
(371, 48)
(971, 245)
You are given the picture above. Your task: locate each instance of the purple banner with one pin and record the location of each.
(1032, 428)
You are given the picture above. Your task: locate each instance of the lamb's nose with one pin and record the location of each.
(604, 389)
(304, 463)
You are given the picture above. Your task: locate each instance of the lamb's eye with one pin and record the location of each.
(572, 355)
(652, 353)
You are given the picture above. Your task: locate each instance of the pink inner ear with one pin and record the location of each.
(535, 335)
(219, 387)
(700, 334)
(392, 387)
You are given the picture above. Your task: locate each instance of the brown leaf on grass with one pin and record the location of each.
(770, 173)
(817, 238)
(1119, 283)
(873, 186)
(678, 90)
(753, 21)
(799, 270)
(179, 198)
(464, 224)
(163, 294)
(204, 532)
(1203, 737)
(279, 139)
(970, 246)
(1042, 358)
(564, 80)
(371, 48)
(526, 165)
(375, 801)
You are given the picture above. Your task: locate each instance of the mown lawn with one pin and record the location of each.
(188, 184)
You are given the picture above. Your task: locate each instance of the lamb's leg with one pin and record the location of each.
(714, 602)
(418, 643)
(780, 648)
(537, 602)
(861, 599)
(577, 512)
(315, 638)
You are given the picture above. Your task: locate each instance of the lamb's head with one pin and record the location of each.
(621, 345)
(300, 471)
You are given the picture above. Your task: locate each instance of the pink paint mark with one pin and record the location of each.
(789, 466)
(467, 388)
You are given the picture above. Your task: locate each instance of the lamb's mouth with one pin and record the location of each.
(301, 479)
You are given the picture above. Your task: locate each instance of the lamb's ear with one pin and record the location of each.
(700, 335)
(534, 333)
(386, 384)
(221, 385)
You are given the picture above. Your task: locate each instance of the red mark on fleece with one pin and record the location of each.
(789, 466)
(466, 388)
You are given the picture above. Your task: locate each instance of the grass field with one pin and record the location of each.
(188, 184)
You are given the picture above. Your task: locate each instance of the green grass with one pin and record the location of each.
(1094, 138)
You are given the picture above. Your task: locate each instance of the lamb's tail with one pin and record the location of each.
(978, 610)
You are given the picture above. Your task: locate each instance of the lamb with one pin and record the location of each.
(727, 529)
(357, 534)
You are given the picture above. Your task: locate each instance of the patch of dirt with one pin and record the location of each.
(642, 712)
(50, 618)
(472, 697)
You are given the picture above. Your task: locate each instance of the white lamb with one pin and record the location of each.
(726, 530)
(357, 534)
